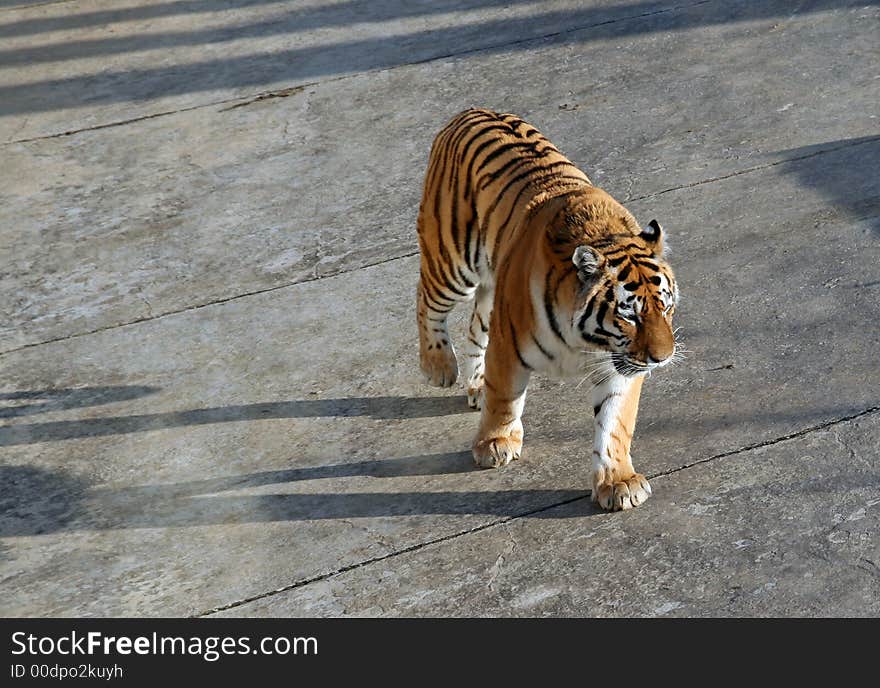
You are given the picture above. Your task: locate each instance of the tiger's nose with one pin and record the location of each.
(657, 361)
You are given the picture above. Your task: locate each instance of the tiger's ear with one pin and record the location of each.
(653, 235)
(586, 260)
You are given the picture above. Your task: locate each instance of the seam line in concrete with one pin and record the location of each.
(390, 555)
(315, 278)
(197, 306)
(271, 94)
(768, 443)
(531, 512)
(757, 168)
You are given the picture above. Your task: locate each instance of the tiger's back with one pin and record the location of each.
(484, 170)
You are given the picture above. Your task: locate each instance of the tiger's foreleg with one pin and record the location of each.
(474, 350)
(616, 485)
(500, 436)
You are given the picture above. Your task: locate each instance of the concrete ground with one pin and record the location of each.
(210, 401)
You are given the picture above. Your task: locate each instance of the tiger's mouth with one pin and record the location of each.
(627, 366)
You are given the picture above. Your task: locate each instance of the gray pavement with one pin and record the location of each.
(210, 399)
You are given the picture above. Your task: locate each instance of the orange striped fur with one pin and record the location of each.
(564, 281)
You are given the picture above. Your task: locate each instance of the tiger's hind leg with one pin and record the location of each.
(500, 437)
(436, 354)
(474, 350)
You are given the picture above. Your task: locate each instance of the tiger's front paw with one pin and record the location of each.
(496, 452)
(439, 364)
(621, 494)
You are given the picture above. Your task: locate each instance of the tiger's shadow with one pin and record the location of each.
(381, 408)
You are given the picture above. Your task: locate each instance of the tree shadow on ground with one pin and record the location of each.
(30, 402)
(294, 20)
(299, 65)
(36, 501)
(382, 408)
(844, 172)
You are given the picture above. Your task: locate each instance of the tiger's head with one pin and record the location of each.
(626, 293)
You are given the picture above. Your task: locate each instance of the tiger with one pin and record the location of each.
(563, 281)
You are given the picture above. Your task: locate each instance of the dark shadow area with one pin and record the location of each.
(35, 401)
(384, 408)
(428, 464)
(845, 172)
(298, 65)
(34, 501)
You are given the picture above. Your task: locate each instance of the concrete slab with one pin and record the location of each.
(287, 435)
(123, 224)
(230, 446)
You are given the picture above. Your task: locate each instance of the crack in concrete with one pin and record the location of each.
(315, 276)
(531, 512)
(872, 568)
(498, 566)
(272, 95)
(130, 120)
(248, 99)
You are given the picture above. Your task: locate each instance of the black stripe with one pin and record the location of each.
(467, 282)
(443, 308)
(618, 249)
(523, 188)
(594, 340)
(472, 156)
(489, 178)
(501, 150)
(588, 311)
(600, 314)
(454, 289)
(538, 174)
(468, 231)
(548, 308)
(453, 211)
(516, 343)
(477, 251)
(435, 273)
(483, 326)
(541, 348)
